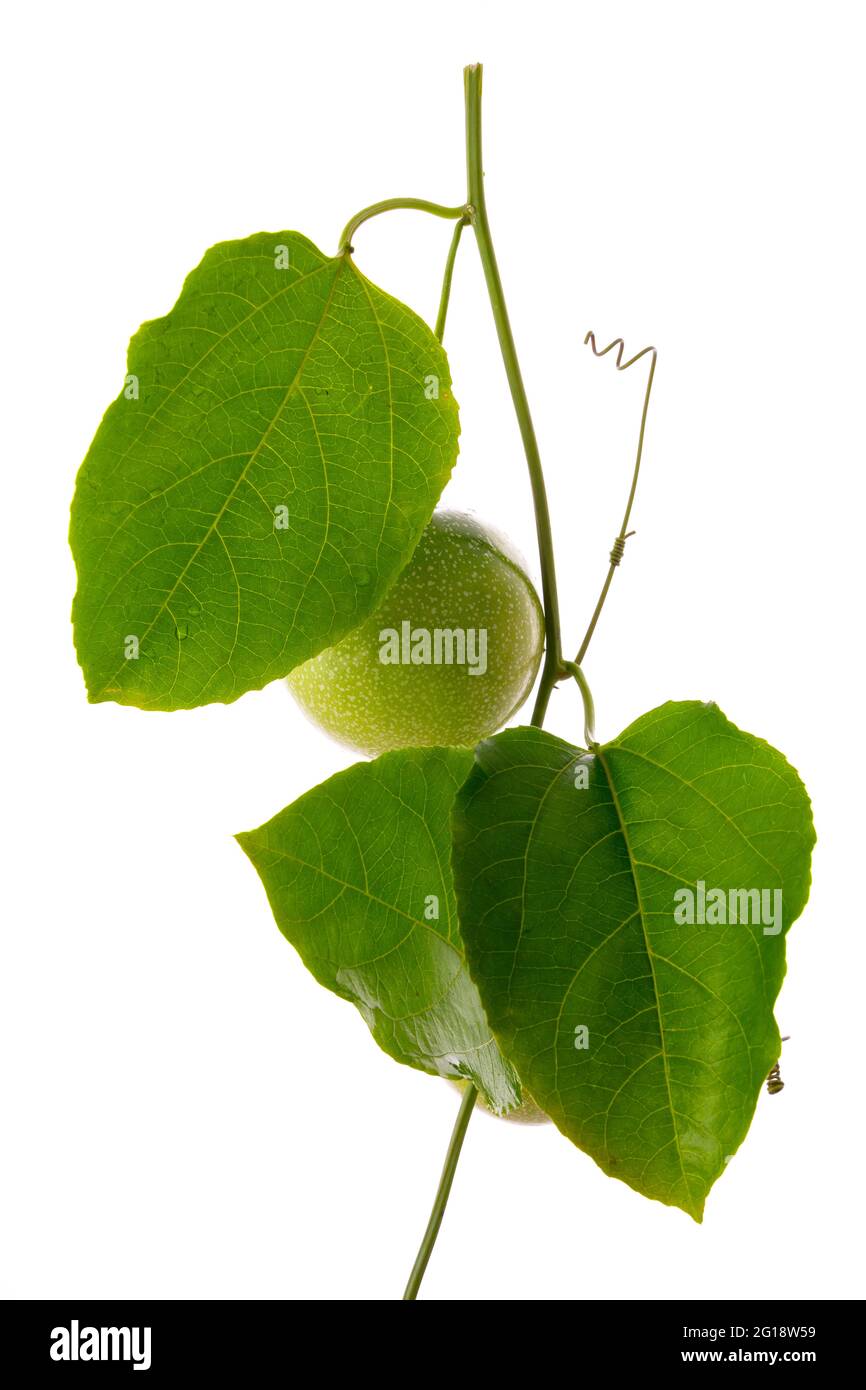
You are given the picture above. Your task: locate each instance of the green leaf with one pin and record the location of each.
(567, 904)
(358, 876)
(278, 447)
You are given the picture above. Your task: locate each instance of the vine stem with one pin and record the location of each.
(390, 205)
(464, 1115)
(552, 670)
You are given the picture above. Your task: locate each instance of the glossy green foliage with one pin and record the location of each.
(358, 876)
(278, 447)
(645, 1036)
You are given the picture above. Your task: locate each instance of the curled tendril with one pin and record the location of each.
(620, 345)
(618, 549)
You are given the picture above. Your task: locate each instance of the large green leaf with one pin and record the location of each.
(358, 876)
(567, 864)
(266, 472)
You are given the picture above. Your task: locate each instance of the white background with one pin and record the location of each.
(185, 1111)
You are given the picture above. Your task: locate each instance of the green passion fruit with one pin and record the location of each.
(449, 656)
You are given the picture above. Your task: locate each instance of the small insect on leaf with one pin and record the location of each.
(775, 1084)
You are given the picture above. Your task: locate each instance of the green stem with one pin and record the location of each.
(552, 669)
(463, 1117)
(388, 205)
(447, 278)
(572, 668)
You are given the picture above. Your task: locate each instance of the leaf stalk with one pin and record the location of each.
(390, 205)
(571, 668)
(445, 297)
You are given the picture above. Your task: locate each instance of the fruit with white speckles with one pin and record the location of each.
(450, 655)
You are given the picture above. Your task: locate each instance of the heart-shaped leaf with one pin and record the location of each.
(358, 875)
(645, 1035)
(266, 472)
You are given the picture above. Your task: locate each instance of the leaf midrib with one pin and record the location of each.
(651, 960)
(221, 338)
(241, 476)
